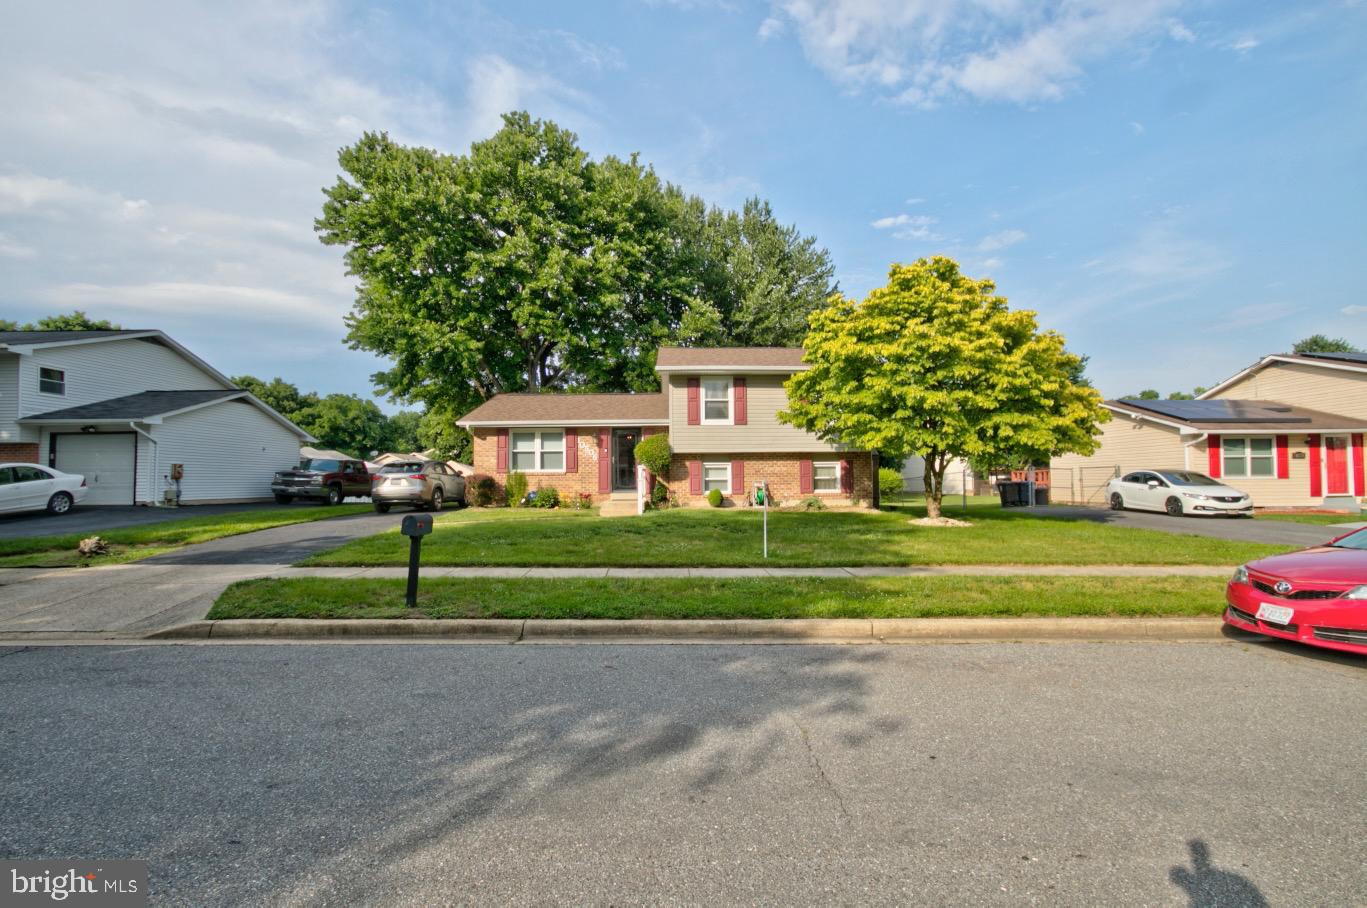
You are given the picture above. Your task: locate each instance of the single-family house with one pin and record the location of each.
(1288, 430)
(719, 407)
(123, 408)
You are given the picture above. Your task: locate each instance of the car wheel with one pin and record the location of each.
(59, 503)
(1117, 503)
(436, 499)
(334, 495)
(283, 499)
(1174, 506)
(381, 507)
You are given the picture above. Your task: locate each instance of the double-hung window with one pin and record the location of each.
(826, 477)
(537, 452)
(51, 381)
(716, 401)
(1255, 457)
(716, 476)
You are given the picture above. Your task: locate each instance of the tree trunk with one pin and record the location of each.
(934, 480)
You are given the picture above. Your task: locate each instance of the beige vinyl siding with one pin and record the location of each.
(1125, 444)
(107, 369)
(765, 397)
(9, 397)
(1315, 387)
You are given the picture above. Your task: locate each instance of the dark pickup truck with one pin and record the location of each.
(322, 478)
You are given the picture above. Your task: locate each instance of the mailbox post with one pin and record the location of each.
(415, 526)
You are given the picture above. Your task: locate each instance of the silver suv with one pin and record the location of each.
(420, 483)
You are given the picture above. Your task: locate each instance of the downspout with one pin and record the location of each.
(1186, 449)
(153, 484)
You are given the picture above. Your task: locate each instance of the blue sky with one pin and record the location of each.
(1177, 187)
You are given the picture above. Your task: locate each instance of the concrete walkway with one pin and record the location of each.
(132, 601)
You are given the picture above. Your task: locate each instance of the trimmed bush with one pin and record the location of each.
(813, 504)
(889, 482)
(515, 487)
(654, 453)
(549, 497)
(486, 492)
(714, 498)
(659, 496)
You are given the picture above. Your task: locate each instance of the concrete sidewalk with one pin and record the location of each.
(132, 601)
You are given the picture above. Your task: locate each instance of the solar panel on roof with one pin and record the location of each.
(1344, 357)
(1231, 411)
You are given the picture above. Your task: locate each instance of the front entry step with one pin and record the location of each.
(617, 507)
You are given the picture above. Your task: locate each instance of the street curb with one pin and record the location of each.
(792, 630)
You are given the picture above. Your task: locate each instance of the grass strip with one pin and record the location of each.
(778, 597)
(132, 543)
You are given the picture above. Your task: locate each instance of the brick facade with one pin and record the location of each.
(26, 452)
(569, 485)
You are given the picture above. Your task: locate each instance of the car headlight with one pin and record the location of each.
(1357, 592)
(316, 480)
(1241, 575)
(1197, 497)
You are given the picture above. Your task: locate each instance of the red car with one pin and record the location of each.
(1316, 596)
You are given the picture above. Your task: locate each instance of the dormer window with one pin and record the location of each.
(716, 401)
(51, 381)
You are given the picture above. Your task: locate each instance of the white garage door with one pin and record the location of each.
(106, 462)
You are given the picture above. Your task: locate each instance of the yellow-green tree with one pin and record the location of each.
(935, 364)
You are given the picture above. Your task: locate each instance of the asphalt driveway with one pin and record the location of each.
(83, 519)
(1275, 532)
(984, 774)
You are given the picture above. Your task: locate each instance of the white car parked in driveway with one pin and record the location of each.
(1178, 492)
(29, 487)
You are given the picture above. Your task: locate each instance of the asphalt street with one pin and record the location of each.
(1228, 773)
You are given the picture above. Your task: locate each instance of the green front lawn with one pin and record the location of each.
(779, 597)
(698, 537)
(132, 543)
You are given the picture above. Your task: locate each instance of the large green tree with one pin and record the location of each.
(525, 265)
(1319, 343)
(936, 364)
(73, 321)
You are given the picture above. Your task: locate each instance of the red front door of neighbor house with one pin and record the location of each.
(1336, 465)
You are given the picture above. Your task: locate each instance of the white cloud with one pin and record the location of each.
(159, 298)
(891, 221)
(925, 52)
(1136, 127)
(991, 264)
(770, 27)
(1244, 44)
(1001, 240)
(10, 248)
(1177, 31)
(1354, 310)
(915, 201)
(907, 226)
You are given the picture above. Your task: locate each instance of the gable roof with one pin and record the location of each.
(753, 359)
(1226, 416)
(155, 405)
(24, 342)
(29, 338)
(569, 410)
(1350, 362)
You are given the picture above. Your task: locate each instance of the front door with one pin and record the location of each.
(624, 459)
(1336, 464)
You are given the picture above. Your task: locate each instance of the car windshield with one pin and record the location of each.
(1356, 540)
(322, 465)
(403, 468)
(1184, 478)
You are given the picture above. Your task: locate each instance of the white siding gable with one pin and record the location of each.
(100, 371)
(230, 451)
(9, 399)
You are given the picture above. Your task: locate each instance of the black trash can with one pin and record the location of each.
(1041, 494)
(1013, 494)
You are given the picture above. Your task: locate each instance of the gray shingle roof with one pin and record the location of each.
(21, 338)
(569, 408)
(136, 406)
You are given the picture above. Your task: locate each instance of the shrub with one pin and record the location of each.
(659, 496)
(714, 498)
(889, 482)
(486, 492)
(515, 487)
(583, 501)
(549, 497)
(813, 504)
(654, 453)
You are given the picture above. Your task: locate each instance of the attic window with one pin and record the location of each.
(52, 381)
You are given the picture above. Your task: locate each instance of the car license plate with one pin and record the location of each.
(1277, 614)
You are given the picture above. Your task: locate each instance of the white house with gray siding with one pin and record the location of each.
(124, 407)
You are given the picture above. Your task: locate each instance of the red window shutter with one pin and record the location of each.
(694, 403)
(501, 464)
(571, 451)
(804, 477)
(1358, 472)
(604, 460)
(847, 476)
(1315, 488)
(1213, 449)
(695, 477)
(738, 387)
(1283, 457)
(737, 477)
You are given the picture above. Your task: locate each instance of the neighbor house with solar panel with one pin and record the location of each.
(1288, 430)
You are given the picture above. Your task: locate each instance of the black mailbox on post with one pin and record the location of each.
(414, 526)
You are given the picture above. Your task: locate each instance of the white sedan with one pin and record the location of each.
(29, 487)
(1178, 492)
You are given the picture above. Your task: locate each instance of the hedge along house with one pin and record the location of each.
(1288, 430)
(720, 409)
